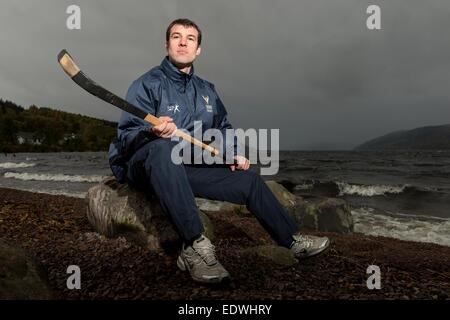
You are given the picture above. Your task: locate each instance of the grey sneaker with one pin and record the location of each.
(305, 246)
(201, 262)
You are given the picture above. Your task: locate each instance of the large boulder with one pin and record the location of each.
(21, 277)
(119, 210)
(327, 214)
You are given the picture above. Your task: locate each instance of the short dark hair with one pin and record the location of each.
(185, 23)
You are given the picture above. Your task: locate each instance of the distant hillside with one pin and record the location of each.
(435, 137)
(44, 129)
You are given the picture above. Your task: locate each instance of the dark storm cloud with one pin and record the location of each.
(310, 68)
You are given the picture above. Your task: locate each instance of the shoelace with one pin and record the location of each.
(206, 253)
(304, 240)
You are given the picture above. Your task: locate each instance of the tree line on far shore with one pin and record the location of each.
(47, 130)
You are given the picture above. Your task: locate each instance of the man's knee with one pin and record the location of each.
(249, 180)
(252, 176)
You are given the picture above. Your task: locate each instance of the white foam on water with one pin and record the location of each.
(56, 192)
(434, 230)
(368, 190)
(304, 186)
(13, 165)
(53, 177)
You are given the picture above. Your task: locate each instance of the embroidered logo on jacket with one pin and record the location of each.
(207, 105)
(174, 109)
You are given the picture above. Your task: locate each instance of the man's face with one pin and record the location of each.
(182, 46)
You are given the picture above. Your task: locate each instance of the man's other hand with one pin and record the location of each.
(166, 129)
(242, 163)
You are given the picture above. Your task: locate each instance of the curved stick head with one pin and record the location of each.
(67, 63)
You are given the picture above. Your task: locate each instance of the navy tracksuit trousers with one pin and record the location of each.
(177, 185)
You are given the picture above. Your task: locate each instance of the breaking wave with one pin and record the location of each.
(53, 177)
(66, 193)
(369, 190)
(13, 165)
(403, 227)
(339, 188)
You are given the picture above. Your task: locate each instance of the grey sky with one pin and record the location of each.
(310, 68)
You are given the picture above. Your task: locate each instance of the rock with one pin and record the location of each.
(327, 214)
(118, 210)
(21, 278)
(286, 198)
(213, 205)
(278, 255)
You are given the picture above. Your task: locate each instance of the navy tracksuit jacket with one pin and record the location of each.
(146, 158)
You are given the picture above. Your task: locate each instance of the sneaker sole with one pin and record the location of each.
(315, 252)
(183, 267)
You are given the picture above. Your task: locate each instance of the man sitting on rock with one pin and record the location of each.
(178, 97)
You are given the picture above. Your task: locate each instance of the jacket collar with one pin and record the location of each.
(174, 73)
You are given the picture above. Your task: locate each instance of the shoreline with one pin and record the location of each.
(422, 229)
(55, 231)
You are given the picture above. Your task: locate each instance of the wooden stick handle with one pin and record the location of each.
(155, 121)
